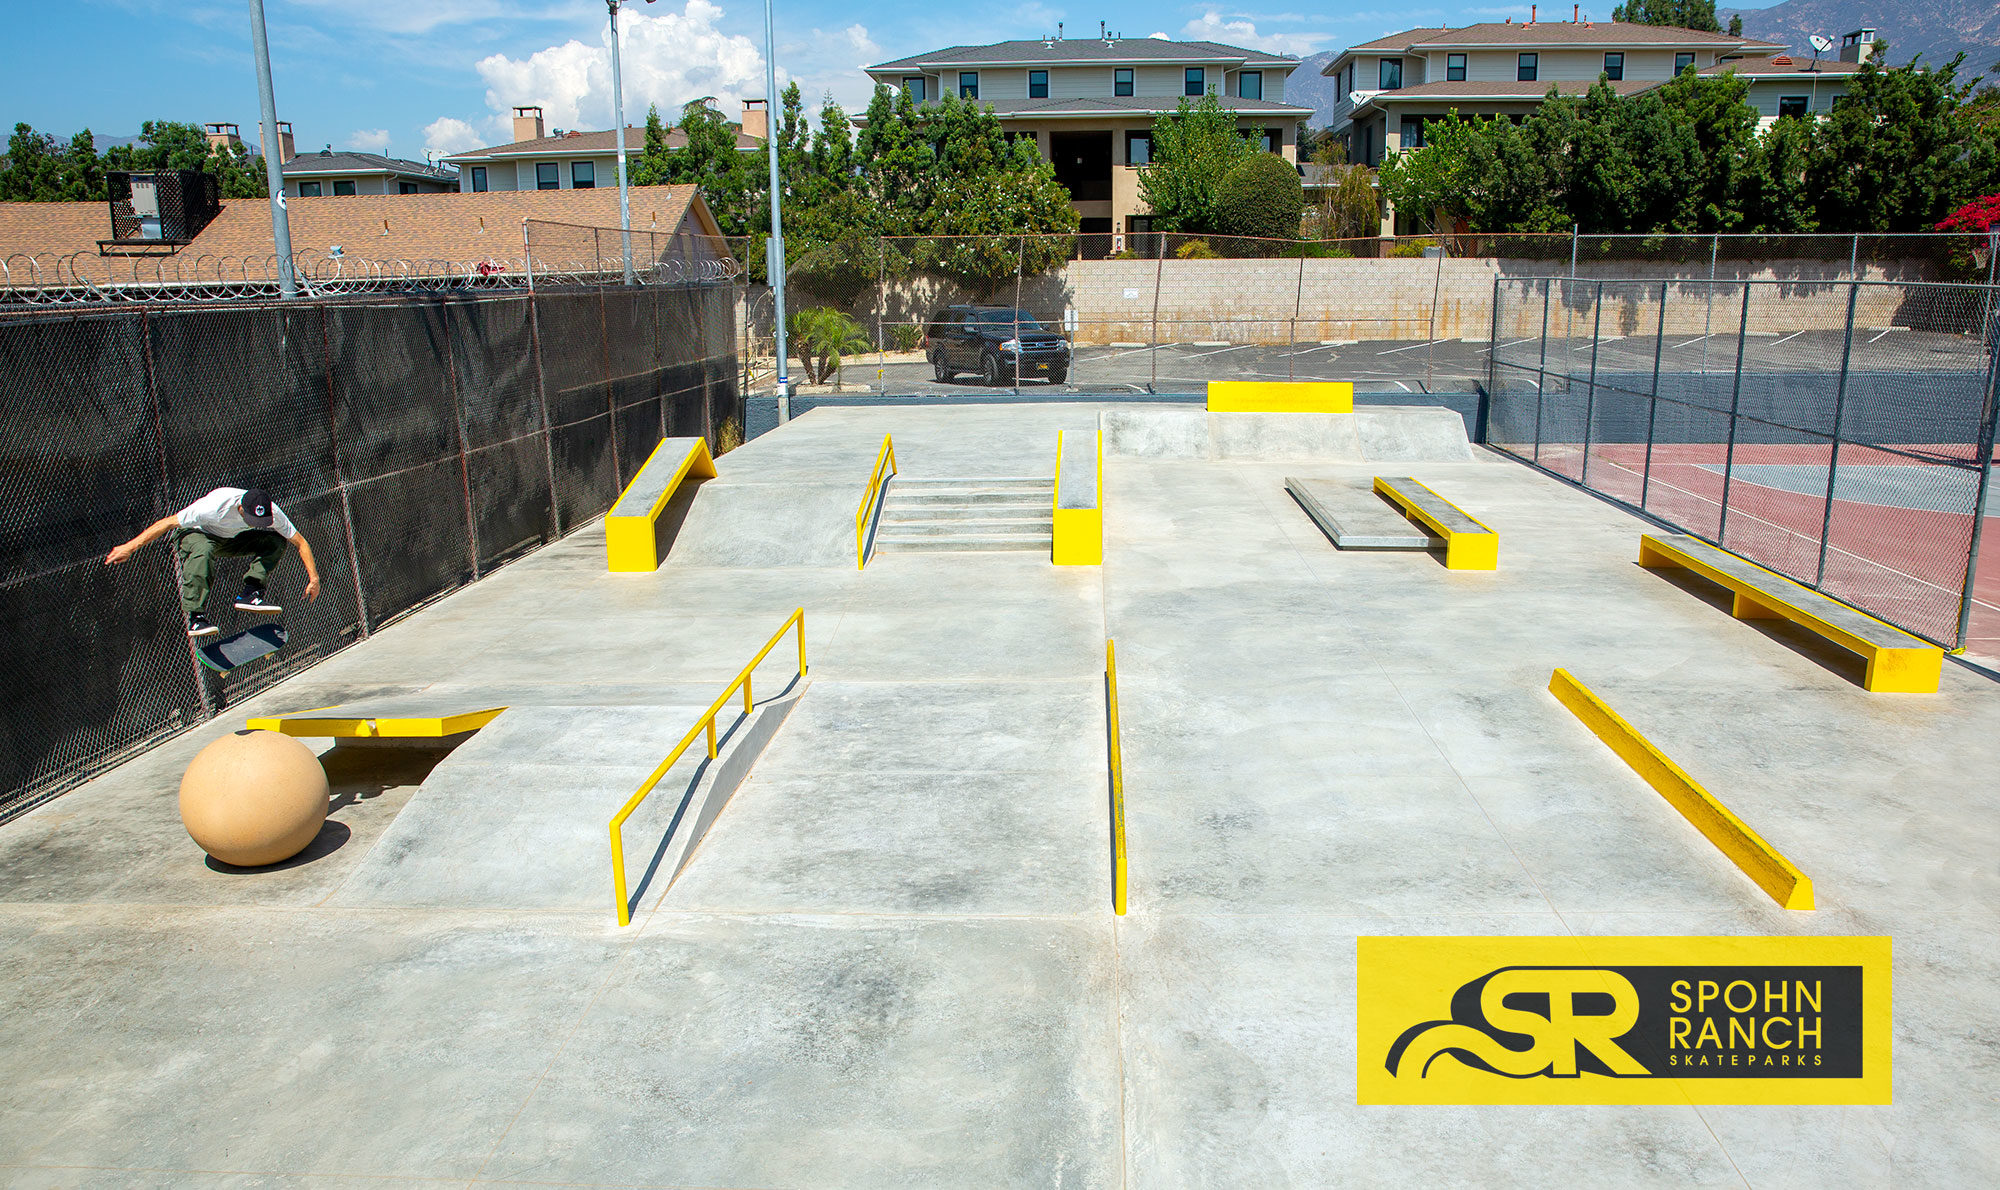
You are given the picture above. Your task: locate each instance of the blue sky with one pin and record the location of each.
(403, 76)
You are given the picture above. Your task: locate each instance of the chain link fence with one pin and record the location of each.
(418, 442)
(1840, 434)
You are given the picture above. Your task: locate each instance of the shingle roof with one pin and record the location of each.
(572, 144)
(1548, 33)
(306, 164)
(1134, 104)
(1434, 94)
(1784, 65)
(1086, 49)
(455, 227)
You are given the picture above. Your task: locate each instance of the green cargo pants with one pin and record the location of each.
(198, 552)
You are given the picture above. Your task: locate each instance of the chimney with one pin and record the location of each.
(286, 151)
(1531, 13)
(223, 136)
(757, 118)
(1101, 34)
(528, 123)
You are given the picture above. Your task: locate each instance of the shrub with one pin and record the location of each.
(1196, 250)
(1123, 254)
(1261, 196)
(1316, 251)
(907, 336)
(1409, 248)
(819, 336)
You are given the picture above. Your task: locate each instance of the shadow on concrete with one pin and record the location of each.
(356, 773)
(1803, 641)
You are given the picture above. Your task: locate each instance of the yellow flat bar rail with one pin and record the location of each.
(1117, 753)
(884, 458)
(329, 723)
(1760, 861)
(1898, 663)
(797, 620)
(1470, 545)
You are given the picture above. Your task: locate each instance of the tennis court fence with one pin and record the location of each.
(1840, 434)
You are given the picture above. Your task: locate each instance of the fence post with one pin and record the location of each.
(1653, 407)
(528, 256)
(1708, 317)
(1437, 287)
(1153, 351)
(1574, 228)
(1020, 273)
(1298, 303)
(1854, 259)
(1590, 393)
(1833, 456)
(1542, 365)
(1986, 433)
(1735, 403)
(881, 308)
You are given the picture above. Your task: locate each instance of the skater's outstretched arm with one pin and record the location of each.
(150, 534)
(312, 571)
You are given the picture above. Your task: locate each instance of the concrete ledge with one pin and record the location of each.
(1079, 501)
(631, 544)
(1316, 499)
(1773, 873)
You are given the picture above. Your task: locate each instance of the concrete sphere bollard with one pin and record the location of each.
(254, 798)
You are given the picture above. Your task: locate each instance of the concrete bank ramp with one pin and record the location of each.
(1383, 434)
(517, 817)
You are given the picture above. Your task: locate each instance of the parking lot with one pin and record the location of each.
(1380, 366)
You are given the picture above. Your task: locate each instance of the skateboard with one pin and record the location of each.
(238, 647)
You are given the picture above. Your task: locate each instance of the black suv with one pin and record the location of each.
(997, 342)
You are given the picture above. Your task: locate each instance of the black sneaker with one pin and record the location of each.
(198, 625)
(252, 600)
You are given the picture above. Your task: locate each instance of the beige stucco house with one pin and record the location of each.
(539, 160)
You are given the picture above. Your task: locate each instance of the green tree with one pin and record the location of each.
(821, 336)
(1261, 197)
(1344, 205)
(1900, 151)
(729, 184)
(1193, 149)
(1774, 192)
(1687, 14)
(168, 144)
(651, 169)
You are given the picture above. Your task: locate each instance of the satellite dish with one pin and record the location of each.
(1821, 43)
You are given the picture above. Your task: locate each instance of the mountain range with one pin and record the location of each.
(1938, 29)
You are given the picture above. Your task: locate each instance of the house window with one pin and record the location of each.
(406, 187)
(1413, 132)
(308, 189)
(1038, 84)
(1250, 84)
(1526, 67)
(1454, 68)
(548, 176)
(1138, 148)
(1267, 140)
(583, 175)
(914, 84)
(343, 188)
(1121, 81)
(968, 84)
(1683, 60)
(479, 179)
(1194, 81)
(1614, 66)
(1391, 74)
(1792, 105)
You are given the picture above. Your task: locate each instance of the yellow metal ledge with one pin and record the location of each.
(1773, 873)
(1468, 543)
(630, 543)
(327, 722)
(1281, 396)
(1078, 533)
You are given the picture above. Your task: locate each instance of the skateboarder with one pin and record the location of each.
(230, 523)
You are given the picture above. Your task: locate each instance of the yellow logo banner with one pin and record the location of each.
(1622, 1020)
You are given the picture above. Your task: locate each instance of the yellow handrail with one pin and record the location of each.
(884, 457)
(1117, 781)
(707, 721)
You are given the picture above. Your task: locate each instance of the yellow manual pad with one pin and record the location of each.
(1281, 396)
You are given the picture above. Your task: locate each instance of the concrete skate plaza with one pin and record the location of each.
(892, 960)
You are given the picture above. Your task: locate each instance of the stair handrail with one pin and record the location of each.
(796, 620)
(883, 457)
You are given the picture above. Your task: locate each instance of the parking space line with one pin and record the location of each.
(1787, 338)
(1414, 346)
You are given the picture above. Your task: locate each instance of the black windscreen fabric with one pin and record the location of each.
(511, 502)
(392, 400)
(493, 361)
(411, 538)
(586, 471)
(571, 329)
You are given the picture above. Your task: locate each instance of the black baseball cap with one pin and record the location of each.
(256, 508)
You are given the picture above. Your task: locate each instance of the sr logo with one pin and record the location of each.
(1529, 1022)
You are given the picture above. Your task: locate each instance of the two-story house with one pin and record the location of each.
(538, 160)
(1089, 104)
(1391, 86)
(331, 173)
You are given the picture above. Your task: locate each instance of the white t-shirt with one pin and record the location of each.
(220, 514)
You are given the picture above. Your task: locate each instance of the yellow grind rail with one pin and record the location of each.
(1117, 781)
(886, 457)
(707, 723)
(1744, 847)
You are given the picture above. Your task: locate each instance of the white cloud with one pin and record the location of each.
(667, 59)
(1213, 27)
(831, 63)
(447, 134)
(369, 140)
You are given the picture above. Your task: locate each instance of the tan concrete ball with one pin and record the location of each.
(254, 798)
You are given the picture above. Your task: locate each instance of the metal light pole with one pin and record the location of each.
(274, 169)
(775, 257)
(618, 132)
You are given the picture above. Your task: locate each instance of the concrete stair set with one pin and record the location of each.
(961, 515)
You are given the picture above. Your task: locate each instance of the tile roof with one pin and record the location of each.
(1138, 105)
(1085, 49)
(1784, 66)
(1548, 33)
(574, 144)
(306, 164)
(1504, 90)
(391, 229)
